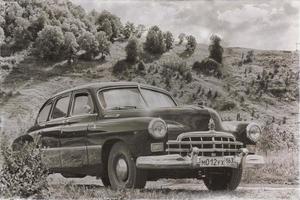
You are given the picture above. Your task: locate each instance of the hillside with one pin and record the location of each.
(30, 81)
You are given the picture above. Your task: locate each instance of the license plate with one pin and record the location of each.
(228, 161)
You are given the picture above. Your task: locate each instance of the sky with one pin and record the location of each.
(254, 24)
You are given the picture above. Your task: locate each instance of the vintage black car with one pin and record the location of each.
(127, 133)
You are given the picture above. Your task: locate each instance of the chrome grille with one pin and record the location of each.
(208, 144)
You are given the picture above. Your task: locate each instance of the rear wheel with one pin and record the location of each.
(122, 171)
(224, 179)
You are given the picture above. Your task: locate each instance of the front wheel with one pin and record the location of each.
(122, 171)
(224, 179)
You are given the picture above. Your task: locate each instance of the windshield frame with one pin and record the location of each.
(138, 87)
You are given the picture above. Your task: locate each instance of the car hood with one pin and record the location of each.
(179, 119)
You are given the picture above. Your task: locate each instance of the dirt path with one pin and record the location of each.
(89, 187)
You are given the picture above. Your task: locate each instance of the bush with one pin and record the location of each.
(107, 28)
(133, 50)
(50, 42)
(215, 49)
(181, 37)
(168, 40)
(87, 41)
(71, 46)
(23, 174)
(128, 30)
(103, 42)
(155, 41)
(249, 57)
(115, 23)
(191, 44)
(208, 66)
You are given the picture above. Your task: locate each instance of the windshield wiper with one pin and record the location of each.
(122, 107)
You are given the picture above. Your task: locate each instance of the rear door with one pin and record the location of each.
(73, 135)
(50, 134)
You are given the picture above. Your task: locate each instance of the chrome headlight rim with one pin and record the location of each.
(248, 131)
(151, 128)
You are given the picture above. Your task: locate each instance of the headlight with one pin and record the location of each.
(157, 128)
(253, 132)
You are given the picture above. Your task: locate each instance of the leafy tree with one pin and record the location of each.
(155, 41)
(215, 49)
(71, 46)
(168, 40)
(2, 36)
(104, 43)
(191, 44)
(140, 29)
(107, 28)
(21, 35)
(114, 21)
(50, 42)
(133, 50)
(181, 38)
(87, 41)
(128, 30)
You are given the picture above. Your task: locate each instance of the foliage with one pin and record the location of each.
(107, 28)
(129, 30)
(23, 174)
(249, 57)
(191, 44)
(140, 29)
(133, 50)
(2, 36)
(181, 37)
(168, 40)
(155, 41)
(208, 66)
(50, 42)
(71, 46)
(87, 41)
(115, 22)
(215, 49)
(104, 43)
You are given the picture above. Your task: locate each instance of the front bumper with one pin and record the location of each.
(176, 161)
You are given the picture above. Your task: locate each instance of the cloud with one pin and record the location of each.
(267, 25)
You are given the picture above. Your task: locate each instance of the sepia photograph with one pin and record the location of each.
(149, 99)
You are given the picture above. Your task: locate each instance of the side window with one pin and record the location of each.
(83, 104)
(61, 108)
(44, 113)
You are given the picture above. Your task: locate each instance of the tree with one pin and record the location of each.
(140, 29)
(168, 40)
(181, 38)
(128, 30)
(215, 49)
(50, 42)
(155, 41)
(71, 46)
(21, 36)
(2, 36)
(133, 50)
(104, 43)
(107, 28)
(87, 42)
(191, 44)
(114, 21)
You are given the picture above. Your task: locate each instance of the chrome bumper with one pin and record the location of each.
(176, 161)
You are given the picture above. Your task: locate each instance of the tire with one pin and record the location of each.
(120, 158)
(228, 180)
(105, 181)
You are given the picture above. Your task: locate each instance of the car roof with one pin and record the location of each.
(101, 85)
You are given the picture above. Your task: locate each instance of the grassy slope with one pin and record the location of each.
(32, 82)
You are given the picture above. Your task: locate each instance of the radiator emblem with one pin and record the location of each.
(211, 124)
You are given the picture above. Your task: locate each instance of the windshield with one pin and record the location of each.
(124, 98)
(156, 99)
(130, 98)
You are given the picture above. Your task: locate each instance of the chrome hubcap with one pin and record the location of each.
(122, 169)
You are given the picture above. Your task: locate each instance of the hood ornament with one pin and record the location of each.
(211, 125)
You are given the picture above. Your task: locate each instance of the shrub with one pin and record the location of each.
(155, 41)
(188, 77)
(115, 22)
(2, 36)
(87, 41)
(168, 40)
(215, 49)
(133, 50)
(181, 38)
(107, 28)
(50, 42)
(191, 44)
(140, 29)
(71, 46)
(141, 66)
(128, 30)
(103, 42)
(23, 174)
(208, 66)
(249, 57)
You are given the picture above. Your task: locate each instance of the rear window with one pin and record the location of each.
(44, 113)
(61, 107)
